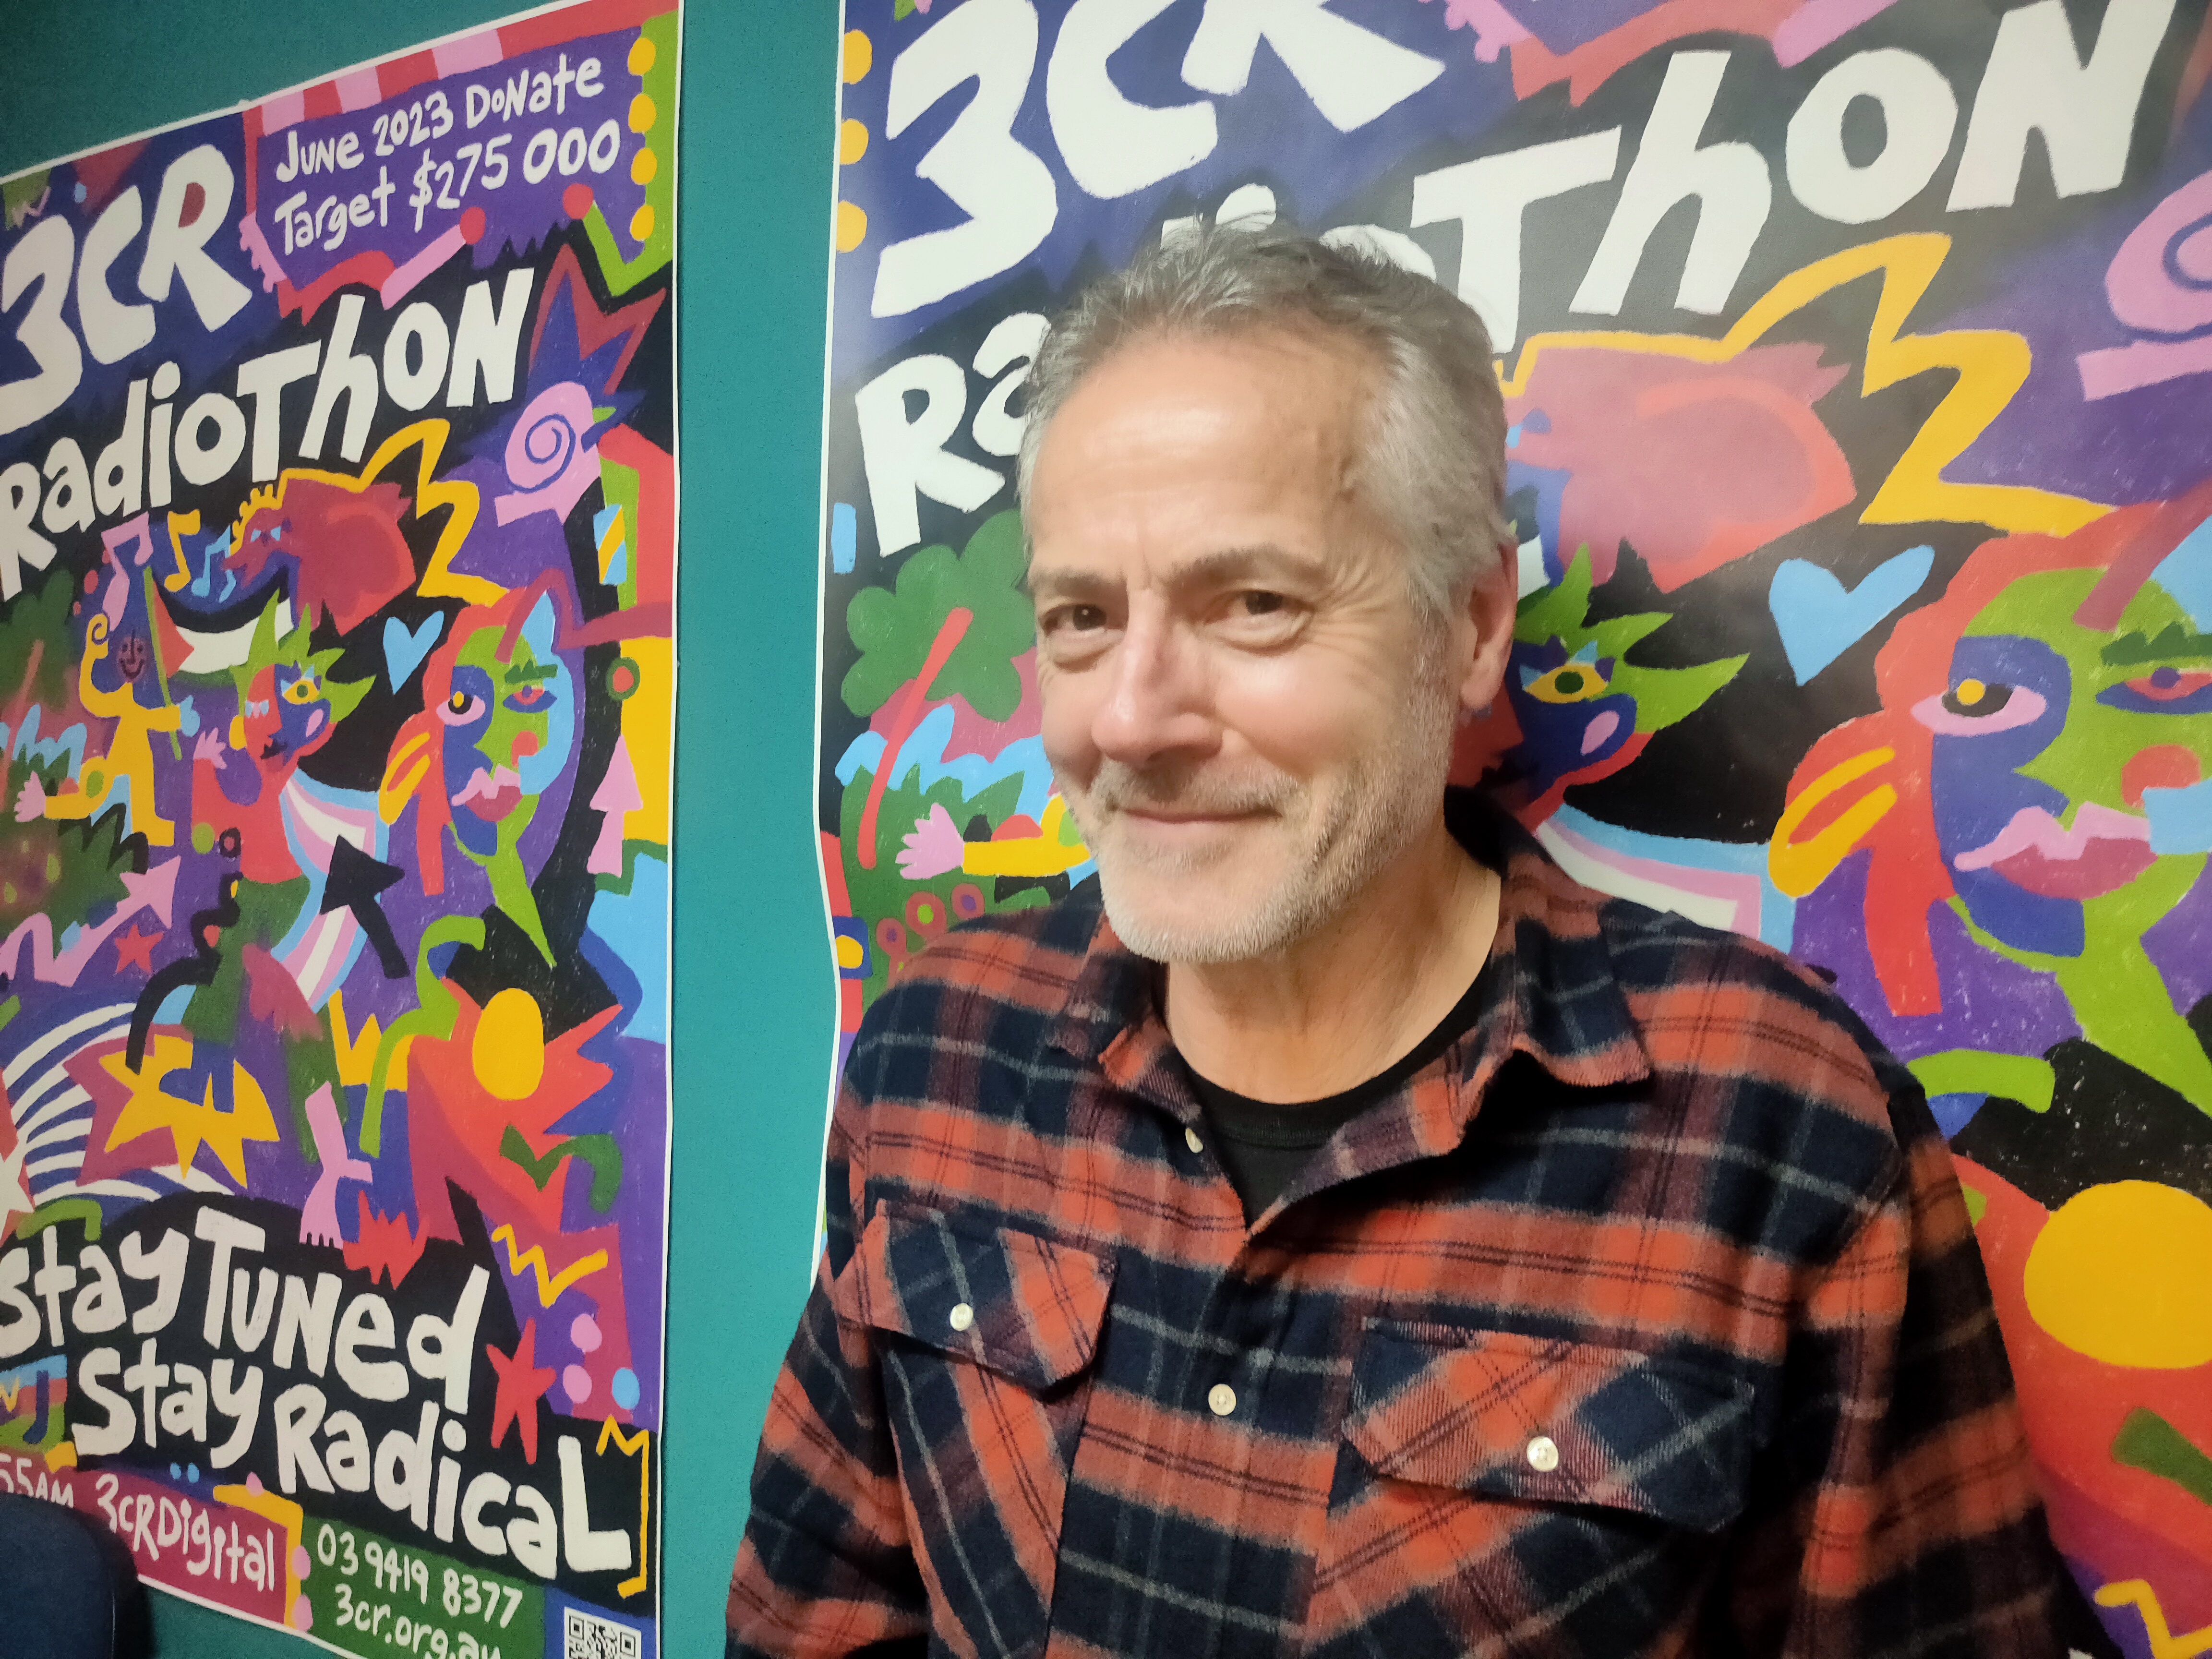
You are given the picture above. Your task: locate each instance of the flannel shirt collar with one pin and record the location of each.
(1554, 998)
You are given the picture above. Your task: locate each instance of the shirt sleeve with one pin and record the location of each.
(1910, 1520)
(826, 1568)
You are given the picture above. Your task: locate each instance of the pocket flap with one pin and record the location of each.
(1025, 1307)
(1553, 1422)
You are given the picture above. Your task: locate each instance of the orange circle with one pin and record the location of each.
(641, 224)
(642, 113)
(852, 142)
(643, 167)
(852, 227)
(860, 55)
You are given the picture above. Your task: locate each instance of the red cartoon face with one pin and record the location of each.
(286, 714)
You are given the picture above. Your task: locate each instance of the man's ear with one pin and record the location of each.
(1492, 601)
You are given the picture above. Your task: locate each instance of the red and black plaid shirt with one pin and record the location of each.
(1647, 1320)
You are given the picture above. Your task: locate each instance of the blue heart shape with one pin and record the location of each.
(404, 651)
(1819, 619)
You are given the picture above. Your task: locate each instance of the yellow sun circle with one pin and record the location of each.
(508, 1055)
(2123, 1273)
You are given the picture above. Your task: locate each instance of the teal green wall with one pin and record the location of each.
(752, 1001)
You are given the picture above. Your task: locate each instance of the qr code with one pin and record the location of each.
(587, 1636)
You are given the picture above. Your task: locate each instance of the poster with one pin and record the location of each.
(1858, 363)
(337, 529)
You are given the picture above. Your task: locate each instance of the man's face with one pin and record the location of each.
(1243, 711)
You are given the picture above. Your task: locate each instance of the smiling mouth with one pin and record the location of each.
(490, 796)
(1147, 817)
(2104, 850)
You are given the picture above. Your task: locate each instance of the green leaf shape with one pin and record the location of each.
(36, 642)
(1663, 696)
(895, 626)
(2148, 1442)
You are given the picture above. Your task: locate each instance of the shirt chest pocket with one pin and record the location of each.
(1492, 1478)
(985, 1337)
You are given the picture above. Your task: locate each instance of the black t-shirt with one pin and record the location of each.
(1264, 1145)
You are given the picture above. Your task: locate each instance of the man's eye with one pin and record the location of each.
(1076, 619)
(1259, 602)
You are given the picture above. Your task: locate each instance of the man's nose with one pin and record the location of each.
(1159, 703)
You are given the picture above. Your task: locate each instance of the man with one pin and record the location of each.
(1358, 1238)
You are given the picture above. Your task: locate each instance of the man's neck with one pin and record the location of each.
(1343, 1004)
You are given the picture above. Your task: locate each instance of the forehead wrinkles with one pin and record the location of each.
(1291, 408)
(1341, 378)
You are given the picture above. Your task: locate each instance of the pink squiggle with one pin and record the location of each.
(439, 249)
(251, 238)
(547, 460)
(1495, 27)
(1816, 23)
(2034, 830)
(2111, 370)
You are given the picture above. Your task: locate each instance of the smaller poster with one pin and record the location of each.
(337, 526)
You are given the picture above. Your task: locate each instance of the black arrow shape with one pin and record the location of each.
(354, 882)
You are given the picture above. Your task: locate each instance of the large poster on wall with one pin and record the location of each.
(337, 526)
(1859, 360)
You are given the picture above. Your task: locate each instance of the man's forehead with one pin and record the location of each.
(1075, 578)
(1245, 371)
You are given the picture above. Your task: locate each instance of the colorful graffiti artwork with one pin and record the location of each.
(336, 579)
(1857, 360)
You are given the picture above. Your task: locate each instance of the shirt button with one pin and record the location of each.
(1190, 1139)
(1543, 1454)
(964, 1316)
(1221, 1399)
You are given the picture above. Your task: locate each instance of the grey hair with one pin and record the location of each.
(1433, 459)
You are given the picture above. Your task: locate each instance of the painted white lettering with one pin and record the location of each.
(226, 1233)
(295, 1414)
(43, 255)
(443, 1350)
(69, 503)
(1730, 181)
(346, 374)
(120, 1426)
(205, 463)
(486, 340)
(177, 246)
(2035, 84)
(1353, 75)
(367, 1325)
(164, 1264)
(263, 379)
(1488, 197)
(587, 1550)
(904, 459)
(1006, 352)
(306, 1320)
(1113, 147)
(1002, 186)
(112, 330)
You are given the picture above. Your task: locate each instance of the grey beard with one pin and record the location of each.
(1385, 802)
